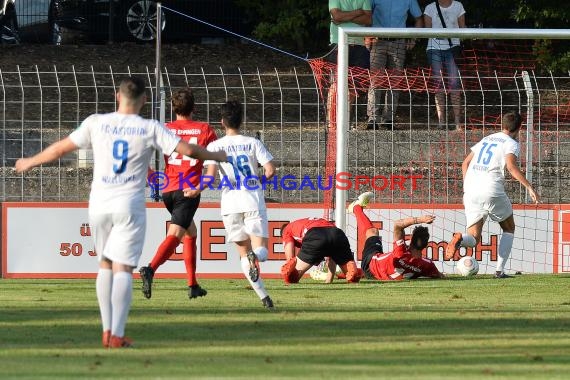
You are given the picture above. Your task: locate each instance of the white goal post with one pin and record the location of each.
(342, 120)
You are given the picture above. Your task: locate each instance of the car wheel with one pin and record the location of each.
(9, 28)
(140, 20)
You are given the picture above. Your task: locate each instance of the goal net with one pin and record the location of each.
(497, 72)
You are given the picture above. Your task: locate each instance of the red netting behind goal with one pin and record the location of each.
(484, 66)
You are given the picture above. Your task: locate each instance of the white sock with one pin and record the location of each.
(261, 253)
(257, 285)
(468, 240)
(505, 245)
(121, 299)
(103, 286)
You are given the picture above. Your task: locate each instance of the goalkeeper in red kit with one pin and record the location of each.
(181, 195)
(405, 261)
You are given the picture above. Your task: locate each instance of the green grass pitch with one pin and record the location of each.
(455, 328)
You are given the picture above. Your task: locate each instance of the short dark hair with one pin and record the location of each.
(132, 87)
(232, 114)
(183, 102)
(420, 237)
(511, 121)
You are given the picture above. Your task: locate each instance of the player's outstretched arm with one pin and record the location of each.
(513, 168)
(465, 163)
(49, 154)
(401, 224)
(200, 153)
(331, 266)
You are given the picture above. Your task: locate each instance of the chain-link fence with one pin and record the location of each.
(286, 111)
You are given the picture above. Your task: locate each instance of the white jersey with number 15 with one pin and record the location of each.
(486, 171)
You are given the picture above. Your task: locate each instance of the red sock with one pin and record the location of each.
(165, 249)
(190, 259)
(362, 220)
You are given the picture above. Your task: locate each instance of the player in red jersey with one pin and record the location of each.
(317, 238)
(182, 194)
(405, 261)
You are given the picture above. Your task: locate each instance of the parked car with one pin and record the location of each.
(18, 16)
(8, 23)
(136, 19)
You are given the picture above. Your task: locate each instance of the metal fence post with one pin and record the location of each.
(529, 128)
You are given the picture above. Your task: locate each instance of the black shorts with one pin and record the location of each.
(358, 55)
(321, 242)
(180, 207)
(372, 246)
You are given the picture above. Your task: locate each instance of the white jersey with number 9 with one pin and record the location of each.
(122, 147)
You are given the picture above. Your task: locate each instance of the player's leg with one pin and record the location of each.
(101, 227)
(475, 213)
(190, 248)
(257, 227)
(164, 250)
(236, 233)
(124, 249)
(339, 246)
(315, 249)
(362, 221)
(501, 210)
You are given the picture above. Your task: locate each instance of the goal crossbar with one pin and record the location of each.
(342, 76)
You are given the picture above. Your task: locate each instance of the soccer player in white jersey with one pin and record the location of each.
(122, 143)
(243, 204)
(484, 189)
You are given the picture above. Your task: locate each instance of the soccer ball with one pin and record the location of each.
(467, 266)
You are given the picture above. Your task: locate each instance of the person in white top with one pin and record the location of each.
(122, 143)
(243, 204)
(441, 57)
(484, 189)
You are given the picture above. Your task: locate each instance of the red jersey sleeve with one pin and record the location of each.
(400, 248)
(211, 136)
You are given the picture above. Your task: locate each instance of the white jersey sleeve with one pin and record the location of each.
(164, 138)
(82, 135)
(212, 147)
(263, 155)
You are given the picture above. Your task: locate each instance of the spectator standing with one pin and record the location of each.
(389, 53)
(440, 54)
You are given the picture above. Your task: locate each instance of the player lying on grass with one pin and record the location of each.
(484, 189)
(405, 261)
(122, 143)
(317, 239)
(181, 199)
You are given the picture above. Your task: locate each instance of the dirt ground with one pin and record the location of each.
(174, 56)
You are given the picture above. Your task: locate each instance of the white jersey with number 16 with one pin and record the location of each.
(486, 171)
(244, 153)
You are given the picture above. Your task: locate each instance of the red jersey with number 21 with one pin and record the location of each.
(400, 264)
(179, 166)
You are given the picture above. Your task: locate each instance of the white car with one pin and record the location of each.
(18, 14)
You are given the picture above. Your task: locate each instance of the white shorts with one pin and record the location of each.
(240, 226)
(119, 237)
(478, 207)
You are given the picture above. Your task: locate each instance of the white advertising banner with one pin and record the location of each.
(53, 240)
